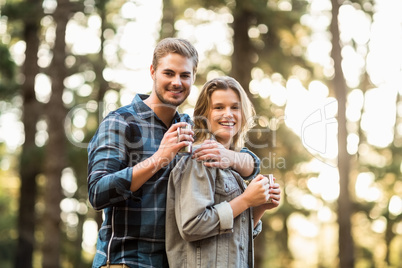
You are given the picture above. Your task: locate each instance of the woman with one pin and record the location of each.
(211, 215)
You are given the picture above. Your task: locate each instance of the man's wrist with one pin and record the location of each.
(243, 163)
(231, 159)
(239, 158)
(159, 161)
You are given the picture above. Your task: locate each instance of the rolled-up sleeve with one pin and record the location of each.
(225, 214)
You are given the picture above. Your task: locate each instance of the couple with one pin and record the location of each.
(136, 176)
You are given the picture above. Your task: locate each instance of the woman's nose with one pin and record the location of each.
(228, 113)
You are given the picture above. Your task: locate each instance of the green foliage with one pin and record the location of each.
(7, 65)
(278, 50)
(25, 10)
(7, 225)
(8, 86)
(284, 35)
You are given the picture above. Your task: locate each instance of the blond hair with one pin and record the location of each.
(203, 106)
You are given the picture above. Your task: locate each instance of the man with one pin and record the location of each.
(132, 153)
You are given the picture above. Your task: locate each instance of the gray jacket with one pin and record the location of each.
(200, 230)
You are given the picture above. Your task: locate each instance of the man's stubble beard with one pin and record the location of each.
(175, 103)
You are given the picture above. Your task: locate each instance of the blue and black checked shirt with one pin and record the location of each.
(133, 230)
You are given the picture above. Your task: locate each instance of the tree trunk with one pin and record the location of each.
(241, 71)
(100, 63)
(102, 83)
(29, 159)
(346, 245)
(56, 148)
(168, 20)
(242, 48)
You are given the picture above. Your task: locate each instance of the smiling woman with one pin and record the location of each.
(223, 107)
(225, 115)
(221, 202)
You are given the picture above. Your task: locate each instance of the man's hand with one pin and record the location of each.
(214, 155)
(171, 143)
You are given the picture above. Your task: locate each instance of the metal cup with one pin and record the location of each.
(187, 149)
(270, 182)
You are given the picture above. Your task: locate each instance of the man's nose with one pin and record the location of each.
(176, 81)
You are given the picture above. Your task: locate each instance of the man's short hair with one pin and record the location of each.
(175, 45)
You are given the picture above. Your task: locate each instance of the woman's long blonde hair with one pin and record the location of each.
(203, 106)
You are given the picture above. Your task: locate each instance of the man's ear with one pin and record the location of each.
(194, 77)
(152, 71)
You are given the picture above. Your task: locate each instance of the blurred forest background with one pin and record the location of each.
(325, 77)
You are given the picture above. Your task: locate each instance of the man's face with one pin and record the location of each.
(173, 79)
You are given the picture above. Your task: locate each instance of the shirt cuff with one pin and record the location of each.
(257, 230)
(257, 163)
(225, 214)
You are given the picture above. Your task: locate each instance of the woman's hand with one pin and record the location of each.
(257, 192)
(275, 195)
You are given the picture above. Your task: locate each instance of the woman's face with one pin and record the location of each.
(225, 115)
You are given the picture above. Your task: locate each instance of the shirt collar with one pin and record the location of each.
(145, 112)
(142, 109)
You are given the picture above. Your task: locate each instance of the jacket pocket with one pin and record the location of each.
(226, 185)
